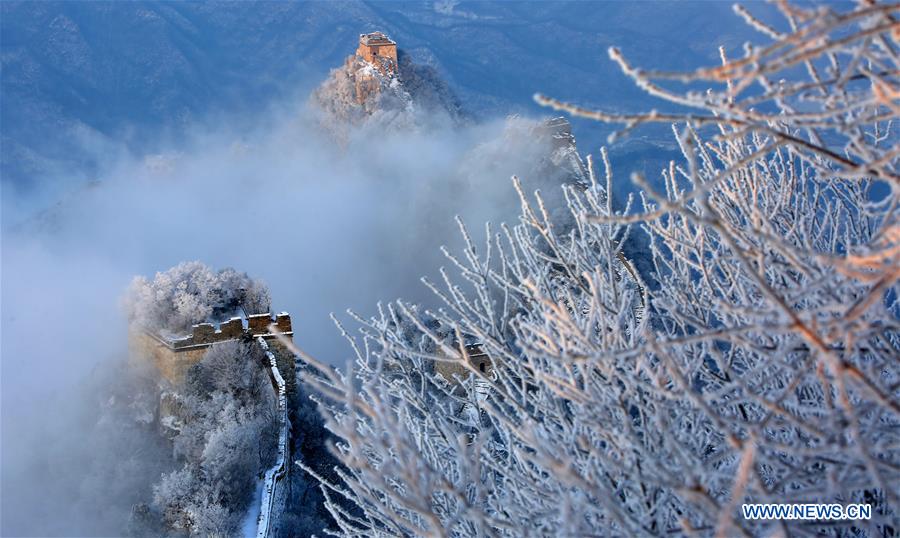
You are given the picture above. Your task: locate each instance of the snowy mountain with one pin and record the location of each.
(384, 92)
(83, 81)
(137, 135)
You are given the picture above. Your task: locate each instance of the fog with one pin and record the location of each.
(328, 226)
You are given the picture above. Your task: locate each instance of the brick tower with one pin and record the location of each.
(378, 49)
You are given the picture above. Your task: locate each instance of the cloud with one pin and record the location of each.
(327, 227)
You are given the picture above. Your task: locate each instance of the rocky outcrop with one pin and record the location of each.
(542, 153)
(377, 90)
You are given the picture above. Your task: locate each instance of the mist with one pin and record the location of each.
(327, 226)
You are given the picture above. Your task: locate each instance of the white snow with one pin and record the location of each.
(274, 474)
(251, 518)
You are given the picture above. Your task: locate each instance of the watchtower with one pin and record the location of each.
(378, 49)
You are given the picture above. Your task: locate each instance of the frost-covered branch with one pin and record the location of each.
(756, 362)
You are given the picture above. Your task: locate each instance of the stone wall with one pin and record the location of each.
(378, 49)
(477, 358)
(174, 357)
(285, 361)
(365, 86)
(277, 477)
(173, 364)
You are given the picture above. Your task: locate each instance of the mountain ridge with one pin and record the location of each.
(384, 92)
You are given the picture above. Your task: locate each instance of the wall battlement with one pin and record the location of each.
(205, 334)
(174, 356)
(478, 360)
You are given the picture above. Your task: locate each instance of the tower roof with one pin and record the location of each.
(375, 38)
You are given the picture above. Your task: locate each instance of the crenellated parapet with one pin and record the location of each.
(258, 324)
(174, 356)
(274, 496)
(205, 334)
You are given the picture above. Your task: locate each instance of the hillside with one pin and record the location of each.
(384, 167)
(384, 92)
(86, 80)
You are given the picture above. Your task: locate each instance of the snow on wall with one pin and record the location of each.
(205, 334)
(275, 474)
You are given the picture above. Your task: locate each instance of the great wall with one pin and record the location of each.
(173, 357)
(379, 50)
(272, 494)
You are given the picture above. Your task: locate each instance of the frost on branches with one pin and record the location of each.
(192, 293)
(758, 362)
(228, 439)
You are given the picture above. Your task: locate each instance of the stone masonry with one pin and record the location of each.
(174, 357)
(378, 49)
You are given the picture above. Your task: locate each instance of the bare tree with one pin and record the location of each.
(759, 365)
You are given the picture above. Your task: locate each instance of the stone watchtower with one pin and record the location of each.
(378, 49)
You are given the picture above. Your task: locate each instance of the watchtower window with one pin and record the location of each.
(481, 367)
(374, 52)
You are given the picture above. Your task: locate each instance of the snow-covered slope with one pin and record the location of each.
(358, 94)
(83, 79)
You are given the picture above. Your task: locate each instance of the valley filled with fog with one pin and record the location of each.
(139, 136)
